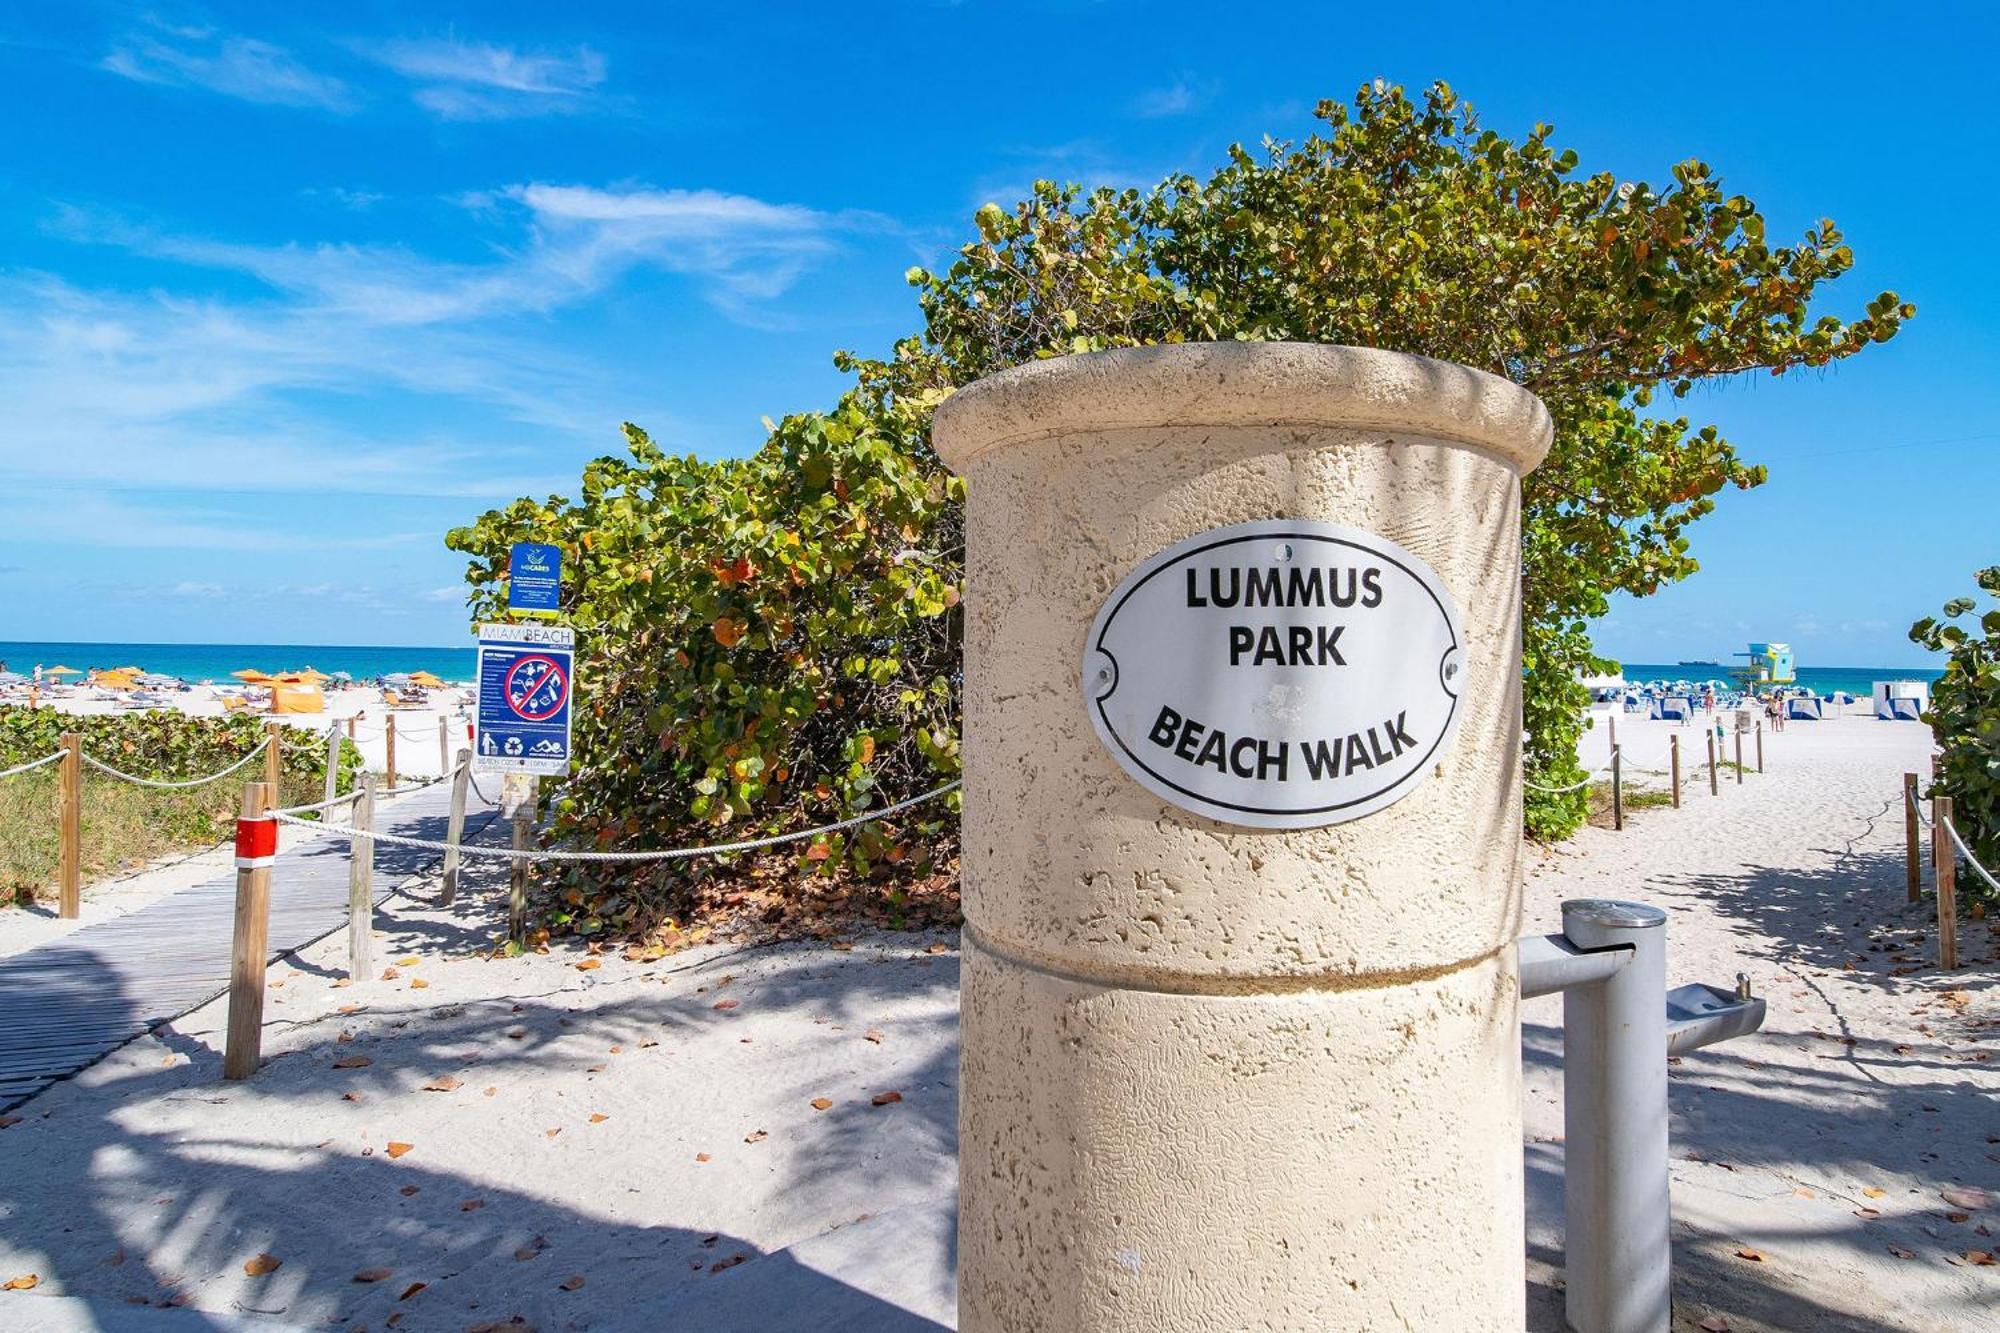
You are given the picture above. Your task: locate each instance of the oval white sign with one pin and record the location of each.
(1281, 674)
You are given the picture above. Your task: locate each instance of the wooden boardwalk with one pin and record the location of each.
(67, 1004)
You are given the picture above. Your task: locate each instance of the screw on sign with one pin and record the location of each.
(537, 688)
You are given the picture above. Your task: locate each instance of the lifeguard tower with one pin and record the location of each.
(1767, 664)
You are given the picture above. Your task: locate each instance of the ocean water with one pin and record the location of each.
(1858, 681)
(214, 661)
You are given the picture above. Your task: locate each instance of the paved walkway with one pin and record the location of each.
(66, 1004)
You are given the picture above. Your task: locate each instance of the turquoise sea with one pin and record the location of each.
(1858, 681)
(214, 661)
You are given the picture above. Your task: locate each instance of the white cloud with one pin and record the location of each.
(455, 593)
(1176, 99)
(240, 67)
(479, 81)
(202, 590)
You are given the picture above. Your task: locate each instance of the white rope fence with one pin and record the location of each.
(138, 781)
(31, 765)
(668, 854)
(1951, 831)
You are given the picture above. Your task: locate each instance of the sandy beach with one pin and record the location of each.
(578, 1141)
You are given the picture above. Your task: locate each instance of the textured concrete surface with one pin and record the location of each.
(1210, 1073)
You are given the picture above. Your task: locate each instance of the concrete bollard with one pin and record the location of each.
(1233, 1031)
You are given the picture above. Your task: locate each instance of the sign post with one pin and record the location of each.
(534, 579)
(1242, 841)
(526, 678)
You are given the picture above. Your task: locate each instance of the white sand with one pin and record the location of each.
(147, 1178)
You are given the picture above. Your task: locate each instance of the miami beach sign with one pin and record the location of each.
(1281, 674)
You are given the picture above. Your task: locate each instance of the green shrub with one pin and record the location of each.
(1964, 717)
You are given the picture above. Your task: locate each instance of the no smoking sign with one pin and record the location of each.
(523, 719)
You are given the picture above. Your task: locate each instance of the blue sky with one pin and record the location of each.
(287, 291)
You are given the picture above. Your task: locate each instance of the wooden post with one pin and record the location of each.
(332, 764)
(256, 847)
(1739, 756)
(1611, 721)
(455, 825)
(1913, 852)
(69, 815)
(1760, 747)
(1674, 750)
(1944, 865)
(1617, 788)
(350, 727)
(1713, 789)
(389, 733)
(444, 747)
(361, 882)
(274, 753)
(517, 883)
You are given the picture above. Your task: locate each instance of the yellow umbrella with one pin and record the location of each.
(115, 680)
(311, 676)
(251, 675)
(426, 679)
(61, 671)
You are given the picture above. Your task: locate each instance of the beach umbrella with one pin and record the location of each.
(250, 675)
(61, 671)
(426, 679)
(12, 678)
(312, 677)
(397, 678)
(341, 676)
(115, 680)
(157, 678)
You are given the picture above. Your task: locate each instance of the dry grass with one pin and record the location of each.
(124, 827)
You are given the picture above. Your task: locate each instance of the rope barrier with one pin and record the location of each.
(30, 765)
(670, 854)
(1970, 859)
(137, 781)
(1910, 795)
(315, 807)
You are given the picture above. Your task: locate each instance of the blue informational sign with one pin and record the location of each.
(534, 579)
(526, 678)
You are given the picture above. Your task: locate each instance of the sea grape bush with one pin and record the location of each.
(764, 644)
(1964, 717)
(771, 641)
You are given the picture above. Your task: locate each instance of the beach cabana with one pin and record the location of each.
(1804, 708)
(1901, 700)
(297, 697)
(1672, 707)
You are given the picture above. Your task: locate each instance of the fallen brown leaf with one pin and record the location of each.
(350, 1096)
(374, 1275)
(258, 1265)
(590, 965)
(1754, 1256)
(553, 1132)
(598, 1117)
(398, 1149)
(821, 1103)
(939, 947)
(411, 961)
(702, 1157)
(571, 1283)
(443, 1083)
(408, 1292)
(25, 1282)
(885, 1098)
(1874, 1193)
(872, 1035)
(756, 1136)
(408, 1191)
(1715, 1323)
(390, 974)
(1980, 1258)
(1965, 1196)
(1902, 1253)
(7, 1120)
(472, 1205)
(418, 983)
(348, 1008)
(727, 1004)
(352, 1062)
